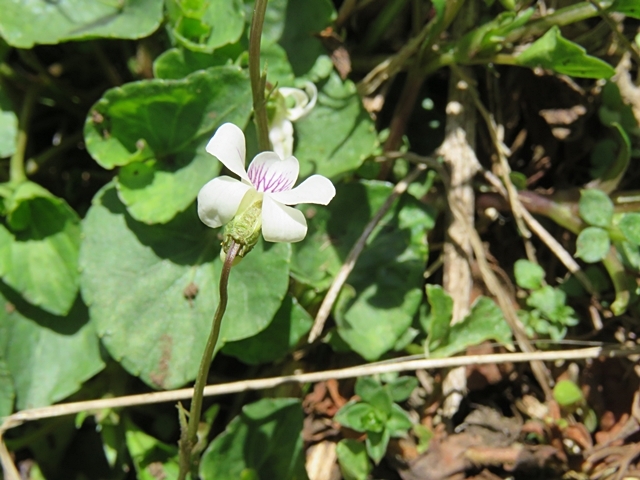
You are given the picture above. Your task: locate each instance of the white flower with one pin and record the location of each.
(269, 180)
(280, 127)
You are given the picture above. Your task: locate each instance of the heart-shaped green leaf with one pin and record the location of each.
(157, 129)
(153, 289)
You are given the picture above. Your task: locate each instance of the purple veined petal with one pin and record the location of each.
(281, 223)
(228, 146)
(281, 137)
(219, 199)
(315, 189)
(269, 173)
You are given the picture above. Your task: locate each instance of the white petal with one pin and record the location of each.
(304, 102)
(218, 200)
(281, 223)
(269, 173)
(228, 146)
(315, 189)
(281, 137)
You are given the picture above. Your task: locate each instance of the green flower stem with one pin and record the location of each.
(17, 172)
(258, 80)
(189, 438)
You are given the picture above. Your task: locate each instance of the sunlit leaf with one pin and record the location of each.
(338, 134)
(157, 130)
(204, 25)
(630, 226)
(554, 52)
(484, 322)
(152, 290)
(438, 324)
(386, 283)
(528, 274)
(592, 244)
(630, 8)
(595, 207)
(353, 459)
(25, 23)
(7, 392)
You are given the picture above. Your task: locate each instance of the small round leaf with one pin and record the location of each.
(593, 244)
(630, 226)
(595, 207)
(528, 274)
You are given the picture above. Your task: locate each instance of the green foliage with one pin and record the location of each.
(484, 322)
(528, 275)
(39, 246)
(8, 126)
(108, 274)
(384, 289)
(489, 38)
(290, 323)
(7, 390)
(596, 208)
(556, 53)
(196, 25)
(157, 129)
(630, 226)
(338, 134)
(627, 7)
(567, 393)
(548, 313)
(31, 346)
(264, 439)
(592, 244)
(151, 458)
(29, 23)
(572, 401)
(377, 415)
(139, 283)
(353, 459)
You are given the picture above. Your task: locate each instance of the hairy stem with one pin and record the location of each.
(258, 81)
(189, 438)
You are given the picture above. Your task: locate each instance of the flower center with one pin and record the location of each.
(270, 181)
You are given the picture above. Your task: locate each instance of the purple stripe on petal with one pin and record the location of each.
(268, 181)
